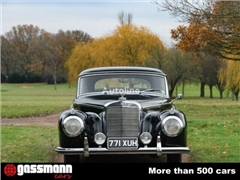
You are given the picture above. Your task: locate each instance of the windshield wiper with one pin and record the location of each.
(158, 91)
(151, 90)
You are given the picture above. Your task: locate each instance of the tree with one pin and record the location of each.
(30, 54)
(194, 38)
(79, 36)
(220, 20)
(210, 66)
(18, 55)
(229, 77)
(157, 56)
(125, 18)
(58, 50)
(135, 44)
(7, 56)
(177, 65)
(213, 28)
(126, 45)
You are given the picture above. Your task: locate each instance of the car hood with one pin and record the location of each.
(146, 102)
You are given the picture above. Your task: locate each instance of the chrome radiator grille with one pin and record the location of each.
(122, 121)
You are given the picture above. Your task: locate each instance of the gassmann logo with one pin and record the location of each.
(10, 170)
(43, 168)
(21, 169)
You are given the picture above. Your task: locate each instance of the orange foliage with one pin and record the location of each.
(127, 45)
(193, 38)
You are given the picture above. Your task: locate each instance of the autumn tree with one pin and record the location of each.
(58, 50)
(135, 44)
(193, 38)
(213, 28)
(17, 52)
(229, 77)
(126, 45)
(217, 21)
(78, 36)
(30, 54)
(7, 57)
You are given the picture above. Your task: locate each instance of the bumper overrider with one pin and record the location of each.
(86, 151)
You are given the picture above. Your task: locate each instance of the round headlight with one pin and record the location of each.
(146, 138)
(73, 126)
(172, 126)
(99, 138)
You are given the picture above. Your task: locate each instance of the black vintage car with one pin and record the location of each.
(122, 110)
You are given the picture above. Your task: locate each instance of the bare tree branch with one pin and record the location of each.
(125, 18)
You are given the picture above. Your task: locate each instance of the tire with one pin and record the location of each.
(174, 158)
(71, 158)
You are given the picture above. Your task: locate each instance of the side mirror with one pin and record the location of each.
(179, 96)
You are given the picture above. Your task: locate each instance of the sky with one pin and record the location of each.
(96, 18)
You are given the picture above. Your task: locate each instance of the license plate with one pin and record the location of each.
(120, 142)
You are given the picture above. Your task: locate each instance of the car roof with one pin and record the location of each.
(121, 69)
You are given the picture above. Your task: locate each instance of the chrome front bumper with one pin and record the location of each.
(86, 151)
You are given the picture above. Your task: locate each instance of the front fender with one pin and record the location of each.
(152, 124)
(174, 112)
(181, 139)
(94, 124)
(149, 123)
(64, 140)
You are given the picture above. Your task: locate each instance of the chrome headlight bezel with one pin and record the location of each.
(172, 121)
(77, 122)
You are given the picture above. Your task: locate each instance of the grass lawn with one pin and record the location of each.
(21, 100)
(28, 143)
(213, 124)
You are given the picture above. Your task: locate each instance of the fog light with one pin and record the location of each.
(99, 138)
(146, 138)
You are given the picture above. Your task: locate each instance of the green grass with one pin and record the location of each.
(214, 141)
(209, 109)
(21, 100)
(28, 144)
(213, 124)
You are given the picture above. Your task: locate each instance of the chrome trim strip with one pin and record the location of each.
(104, 151)
(86, 151)
(136, 72)
(126, 102)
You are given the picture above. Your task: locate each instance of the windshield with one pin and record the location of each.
(122, 84)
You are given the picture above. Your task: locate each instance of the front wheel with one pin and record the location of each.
(174, 158)
(71, 158)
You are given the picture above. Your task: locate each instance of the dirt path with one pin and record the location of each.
(48, 120)
(52, 120)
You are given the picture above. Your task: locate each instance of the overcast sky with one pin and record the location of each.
(97, 18)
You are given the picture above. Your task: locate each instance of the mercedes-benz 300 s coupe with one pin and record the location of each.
(122, 110)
